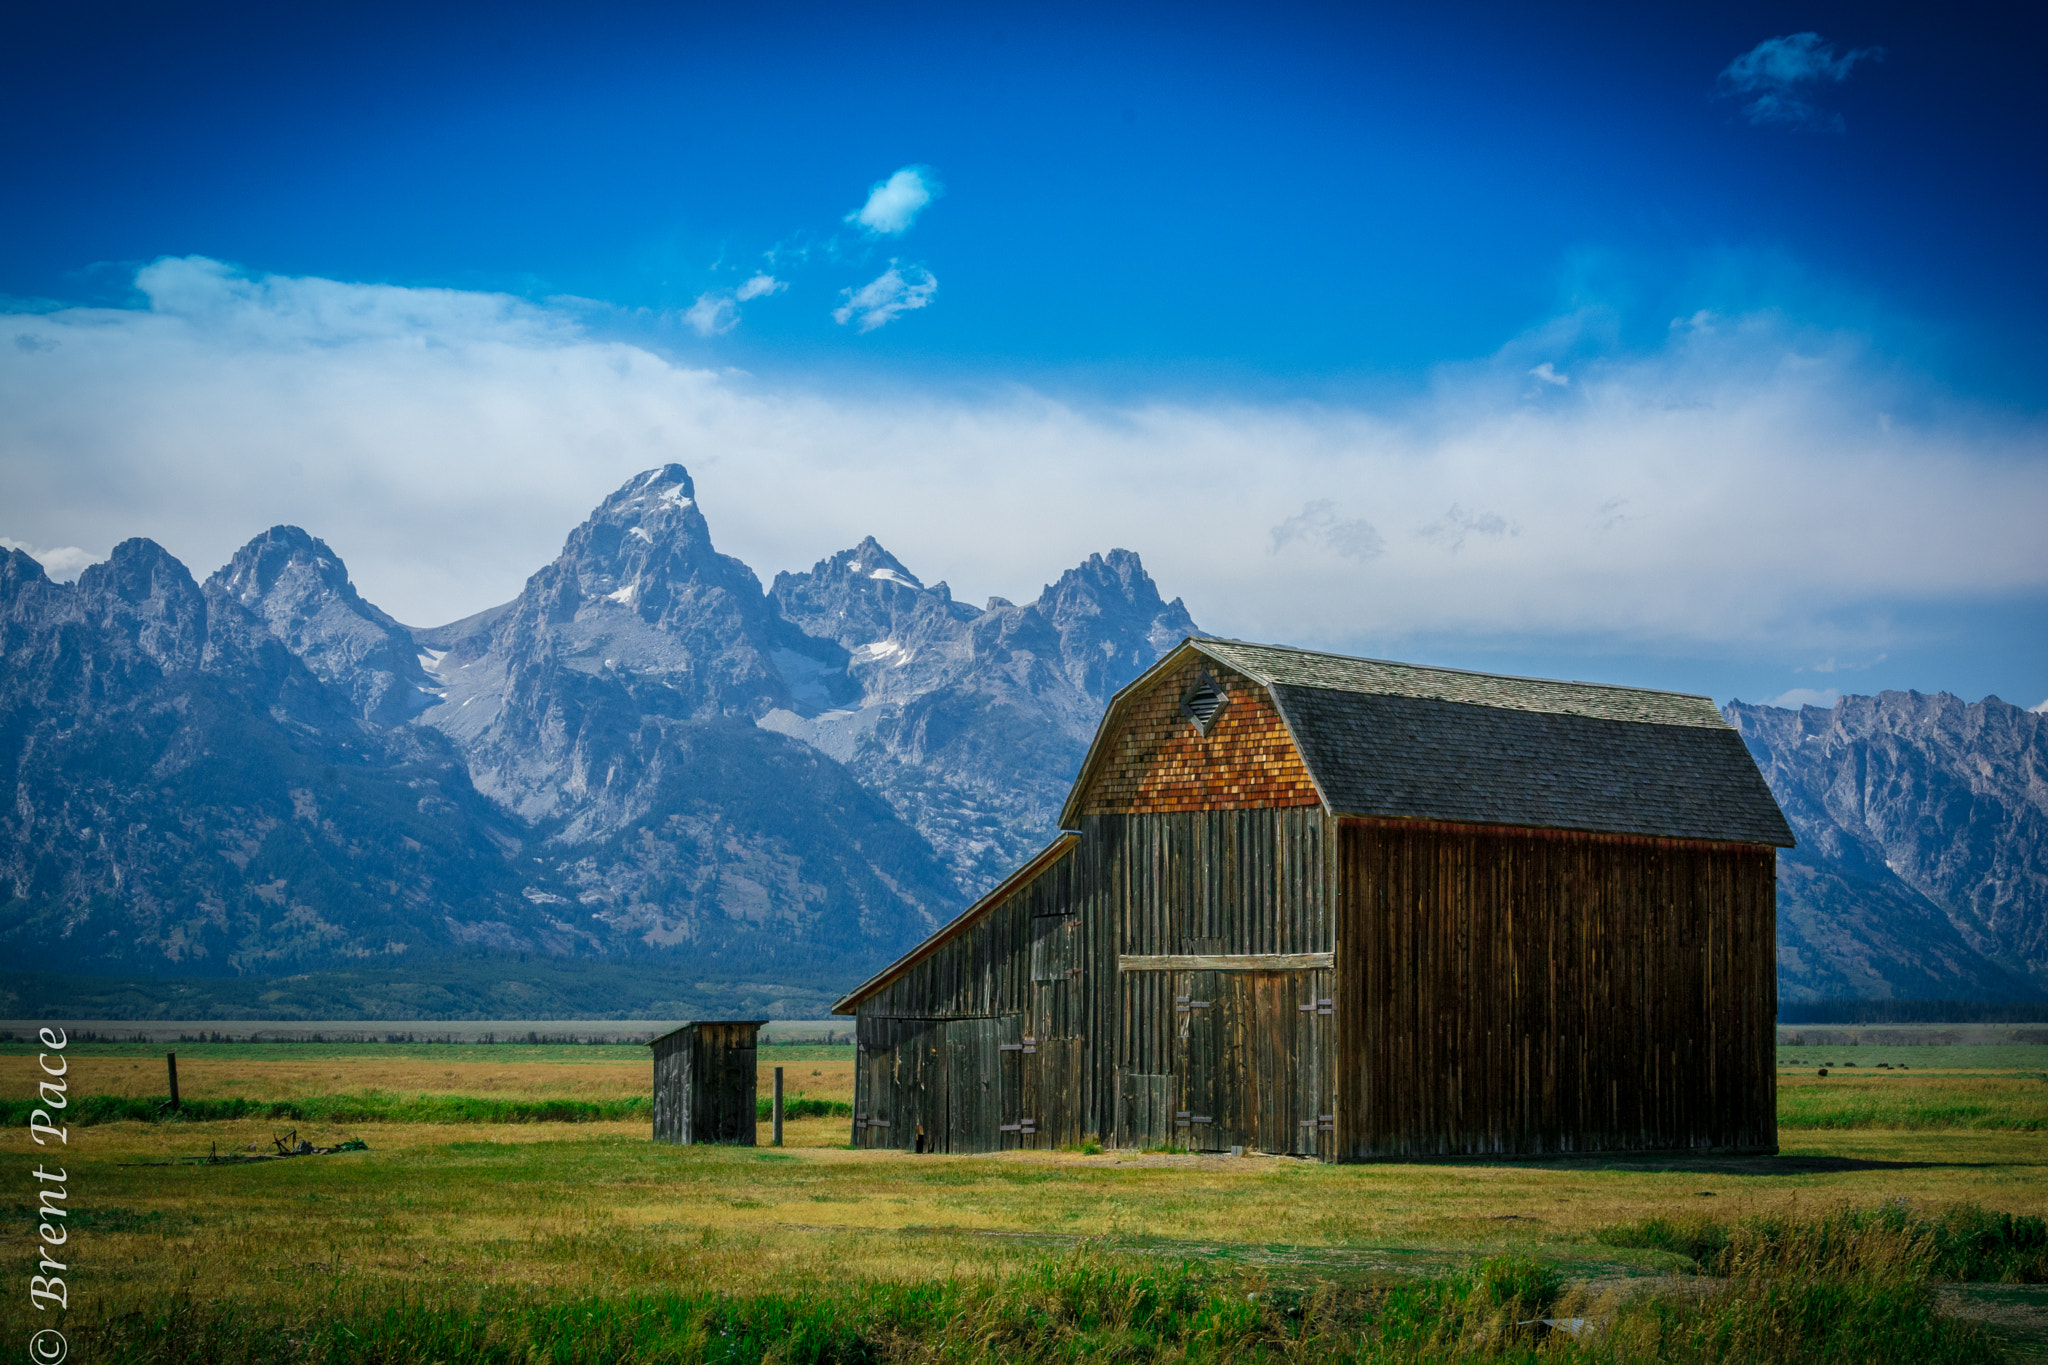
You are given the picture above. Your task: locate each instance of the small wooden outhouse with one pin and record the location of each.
(1348, 909)
(705, 1082)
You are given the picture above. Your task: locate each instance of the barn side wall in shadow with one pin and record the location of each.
(1520, 991)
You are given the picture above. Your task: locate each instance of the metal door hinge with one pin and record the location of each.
(1200, 1118)
(1010, 1047)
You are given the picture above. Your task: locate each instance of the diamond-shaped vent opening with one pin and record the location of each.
(1203, 702)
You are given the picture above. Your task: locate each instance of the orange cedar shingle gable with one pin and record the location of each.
(1160, 762)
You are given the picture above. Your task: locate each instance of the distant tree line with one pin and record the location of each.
(1913, 1012)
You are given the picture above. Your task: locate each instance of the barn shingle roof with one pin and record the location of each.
(1415, 743)
(1277, 664)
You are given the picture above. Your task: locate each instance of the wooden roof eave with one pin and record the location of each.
(1002, 891)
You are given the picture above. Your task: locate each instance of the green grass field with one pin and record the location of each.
(463, 1233)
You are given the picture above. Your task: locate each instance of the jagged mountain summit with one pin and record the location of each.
(639, 616)
(972, 723)
(1922, 866)
(301, 591)
(612, 704)
(967, 723)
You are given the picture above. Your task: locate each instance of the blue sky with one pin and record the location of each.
(1366, 267)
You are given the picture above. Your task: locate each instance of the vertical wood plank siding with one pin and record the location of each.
(1043, 965)
(1543, 991)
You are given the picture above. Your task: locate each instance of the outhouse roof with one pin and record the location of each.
(703, 1023)
(1403, 741)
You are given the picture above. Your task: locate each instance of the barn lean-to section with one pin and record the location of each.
(1344, 909)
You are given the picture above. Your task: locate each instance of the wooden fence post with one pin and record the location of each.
(171, 1060)
(778, 1106)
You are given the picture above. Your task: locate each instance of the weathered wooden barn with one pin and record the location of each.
(1349, 909)
(707, 1082)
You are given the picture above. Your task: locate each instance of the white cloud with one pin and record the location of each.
(1824, 697)
(893, 204)
(1831, 664)
(1779, 74)
(718, 312)
(1547, 372)
(444, 443)
(1317, 522)
(713, 314)
(1450, 529)
(885, 296)
(63, 562)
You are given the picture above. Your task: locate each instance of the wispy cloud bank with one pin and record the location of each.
(884, 297)
(759, 287)
(1824, 697)
(893, 204)
(61, 562)
(1734, 490)
(1779, 75)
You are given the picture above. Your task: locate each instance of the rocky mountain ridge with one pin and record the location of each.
(646, 749)
(186, 794)
(650, 755)
(1922, 866)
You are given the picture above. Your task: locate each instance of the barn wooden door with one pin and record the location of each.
(1017, 1104)
(974, 1095)
(1051, 1045)
(1199, 1060)
(1251, 1056)
(1315, 1065)
(901, 1095)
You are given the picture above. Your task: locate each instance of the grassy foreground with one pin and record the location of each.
(1085, 1307)
(464, 1235)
